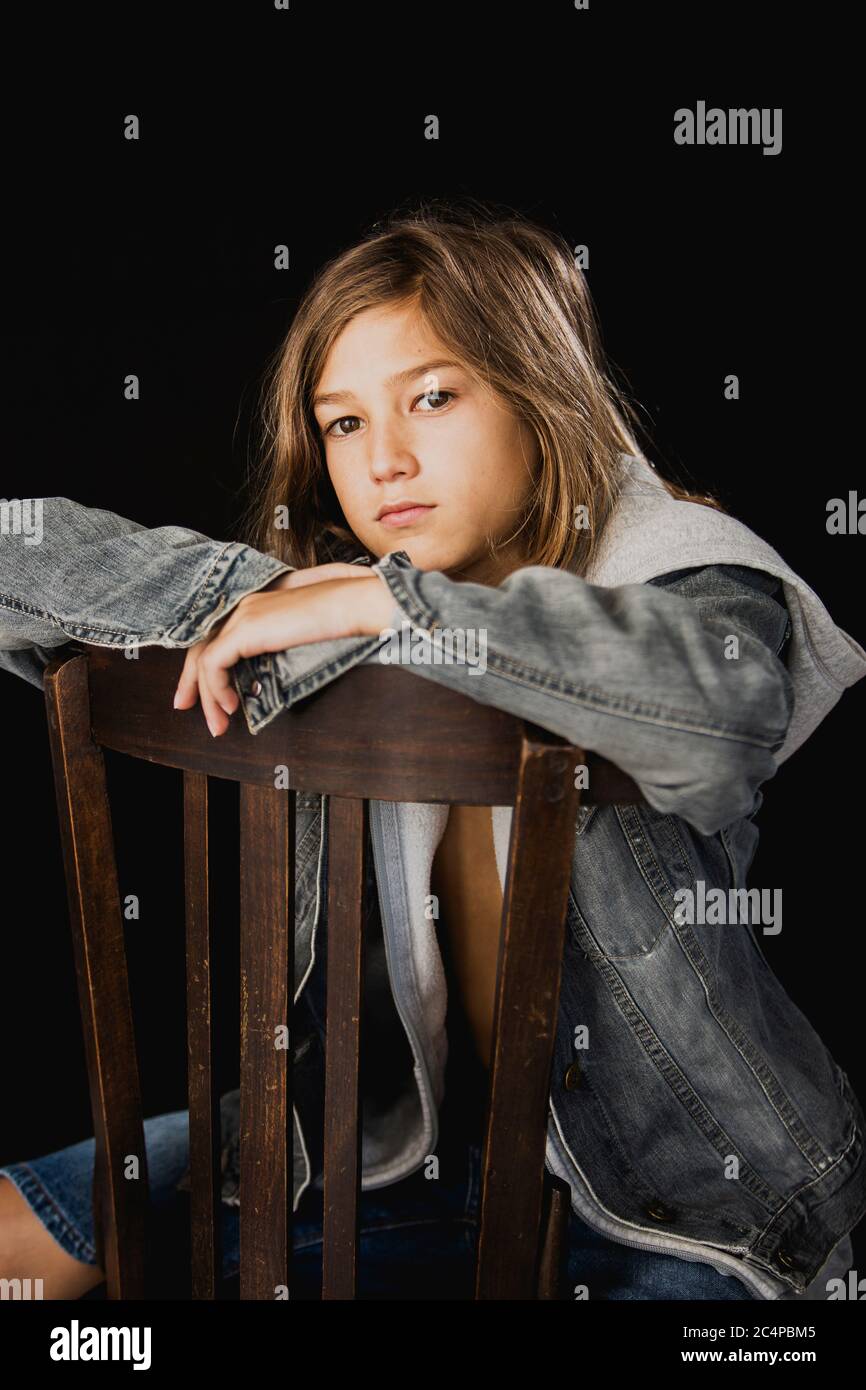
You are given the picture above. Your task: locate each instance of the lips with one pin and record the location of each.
(406, 516)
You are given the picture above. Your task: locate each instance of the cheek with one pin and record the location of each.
(341, 481)
(498, 490)
(357, 508)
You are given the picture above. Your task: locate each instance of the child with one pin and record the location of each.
(441, 403)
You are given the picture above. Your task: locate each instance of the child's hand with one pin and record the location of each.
(272, 620)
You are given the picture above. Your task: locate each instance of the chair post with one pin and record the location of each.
(204, 1117)
(95, 701)
(553, 1258)
(267, 850)
(531, 945)
(347, 847)
(120, 1205)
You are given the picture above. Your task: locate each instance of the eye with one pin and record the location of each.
(326, 431)
(433, 395)
(438, 396)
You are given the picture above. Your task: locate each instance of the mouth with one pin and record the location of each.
(405, 516)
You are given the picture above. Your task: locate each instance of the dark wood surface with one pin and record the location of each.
(347, 839)
(204, 1125)
(377, 732)
(420, 741)
(120, 1204)
(267, 835)
(531, 945)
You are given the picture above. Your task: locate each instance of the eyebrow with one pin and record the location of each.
(398, 379)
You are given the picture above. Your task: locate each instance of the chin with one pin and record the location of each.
(423, 556)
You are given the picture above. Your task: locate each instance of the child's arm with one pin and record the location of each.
(70, 571)
(637, 673)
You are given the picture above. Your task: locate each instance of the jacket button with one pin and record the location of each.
(787, 1260)
(571, 1080)
(256, 688)
(659, 1212)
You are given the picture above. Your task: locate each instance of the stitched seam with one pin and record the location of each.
(812, 1151)
(737, 1249)
(667, 716)
(818, 1178)
(297, 690)
(690, 946)
(69, 1226)
(14, 605)
(199, 598)
(676, 1080)
(627, 1168)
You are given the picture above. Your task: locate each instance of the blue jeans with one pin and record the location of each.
(417, 1236)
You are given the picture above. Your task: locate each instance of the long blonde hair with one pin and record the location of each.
(505, 297)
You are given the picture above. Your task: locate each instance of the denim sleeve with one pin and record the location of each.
(678, 681)
(763, 610)
(91, 575)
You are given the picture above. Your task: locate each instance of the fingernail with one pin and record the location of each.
(176, 698)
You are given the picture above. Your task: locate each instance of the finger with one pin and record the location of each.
(215, 670)
(186, 694)
(216, 718)
(229, 699)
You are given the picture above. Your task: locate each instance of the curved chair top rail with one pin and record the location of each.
(431, 744)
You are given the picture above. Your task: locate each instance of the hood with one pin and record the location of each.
(651, 533)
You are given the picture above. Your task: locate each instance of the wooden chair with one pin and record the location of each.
(441, 746)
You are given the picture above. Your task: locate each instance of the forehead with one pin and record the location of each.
(377, 344)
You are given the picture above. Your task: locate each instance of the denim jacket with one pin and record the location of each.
(705, 1118)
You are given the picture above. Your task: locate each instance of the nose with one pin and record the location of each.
(390, 456)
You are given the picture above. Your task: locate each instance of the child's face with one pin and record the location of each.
(464, 454)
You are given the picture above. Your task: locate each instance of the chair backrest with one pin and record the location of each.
(441, 746)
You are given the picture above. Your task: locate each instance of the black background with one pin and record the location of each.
(156, 257)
